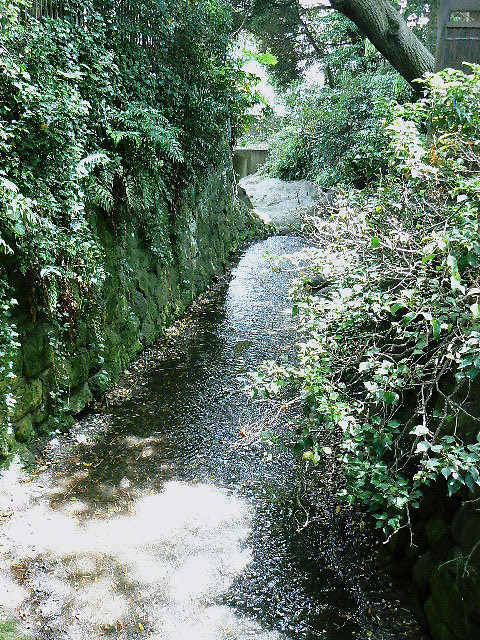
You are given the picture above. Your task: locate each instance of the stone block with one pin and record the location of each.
(438, 536)
(422, 571)
(468, 579)
(23, 429)
(450, 606)
(29, 396)
(4, 445)
(38, 354)
(79, 367)
(140, 304)
(437, 627)
(100, 382)
(466, 528)
(78, 399)
(147, 282)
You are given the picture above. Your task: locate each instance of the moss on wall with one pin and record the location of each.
(141, 295)
(444, 564)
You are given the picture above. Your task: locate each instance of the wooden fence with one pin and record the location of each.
(458, 34)
(125, 12)
(44, 8)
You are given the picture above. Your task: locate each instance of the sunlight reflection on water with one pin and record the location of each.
(179, 550)
(150, 519)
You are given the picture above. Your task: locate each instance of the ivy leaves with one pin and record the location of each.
(116, 116)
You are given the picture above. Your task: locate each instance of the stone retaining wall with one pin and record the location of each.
(142, 295)
(444, 565)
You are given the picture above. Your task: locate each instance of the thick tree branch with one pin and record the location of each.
(385, 27)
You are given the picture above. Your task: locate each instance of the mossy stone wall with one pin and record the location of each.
(142, 294)
(444, 565)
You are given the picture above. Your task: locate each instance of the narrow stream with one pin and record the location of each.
(150, 520)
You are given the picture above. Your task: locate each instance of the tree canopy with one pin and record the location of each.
(333, 33)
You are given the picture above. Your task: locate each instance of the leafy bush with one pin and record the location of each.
(337, 135)
(93, 122)
(391, 355)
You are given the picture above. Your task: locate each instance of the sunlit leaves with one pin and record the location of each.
(393, 354)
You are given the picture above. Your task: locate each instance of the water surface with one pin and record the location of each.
(155, 519)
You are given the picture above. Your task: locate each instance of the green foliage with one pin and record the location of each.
(299, 36)
(266, 59)
(391, 356)
(303, 34)
(261, 129)
(276, 28)
(9, 631)
(337, 134)
(95, 123)
(344, 48)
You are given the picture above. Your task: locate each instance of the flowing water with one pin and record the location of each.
(153, 519)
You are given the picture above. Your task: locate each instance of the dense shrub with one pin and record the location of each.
(391, 354)
(337, 135)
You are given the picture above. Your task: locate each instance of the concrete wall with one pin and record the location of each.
(247, 160)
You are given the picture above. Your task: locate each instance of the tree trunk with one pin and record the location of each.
(432, 27)
(389, 33)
